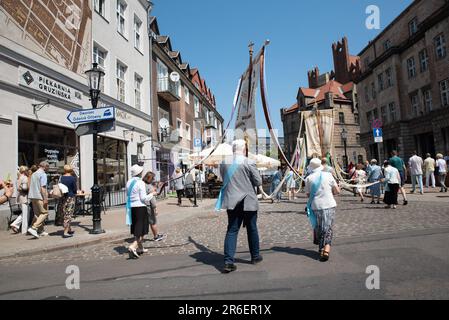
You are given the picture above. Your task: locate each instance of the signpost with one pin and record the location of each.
(378, 134)
(93, 127)
(378, 137)
(92, 115)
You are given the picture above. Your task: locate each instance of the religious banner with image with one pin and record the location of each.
(319, 131)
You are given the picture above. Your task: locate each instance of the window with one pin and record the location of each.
(357, 139)
(387, 45)
(162, 76)
(196, 104)
(188, 133)
(389, 77)
(341, 117)
(366, 62)
(413, 26)
(179, 127)
(121, 9)
(415, 104)
(423, 60)
(444, 89)
(178, 86)
(186, 94)
(366, 94)
(121, 72)
(384, 114)
(369, 117)
(440, 46)
(99, 56)
(99, 7)
(137, 92)
(373, 90)
(380, 81)
(356, 118)
(411, 68)
(137, 30)
(375, 114)
(392, 109)
(427, 94)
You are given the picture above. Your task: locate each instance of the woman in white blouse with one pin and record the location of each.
(138, 200)
(22, 200)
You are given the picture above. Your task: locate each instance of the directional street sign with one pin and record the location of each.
(95, 127)
(92, 115)
(378, 137)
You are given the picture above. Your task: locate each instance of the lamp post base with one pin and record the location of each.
(96, 210)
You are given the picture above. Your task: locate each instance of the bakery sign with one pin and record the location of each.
(44, 84)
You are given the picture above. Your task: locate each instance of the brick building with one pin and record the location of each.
(181, 97)
(405, 83)
(335, 90)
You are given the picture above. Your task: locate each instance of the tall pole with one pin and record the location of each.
(96, 201)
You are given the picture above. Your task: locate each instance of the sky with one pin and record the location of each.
(213, 35)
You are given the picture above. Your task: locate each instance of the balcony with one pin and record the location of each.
(167, 89)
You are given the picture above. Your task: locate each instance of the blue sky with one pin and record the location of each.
(213, 35)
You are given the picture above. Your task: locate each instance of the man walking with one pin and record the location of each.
(442, 171)
(398, 163)
(429, 168)
(238, 196)
(39, 200)
(416, 163)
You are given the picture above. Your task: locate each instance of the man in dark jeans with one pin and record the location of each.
(238, 196)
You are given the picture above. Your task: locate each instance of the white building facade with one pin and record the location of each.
(44, 52)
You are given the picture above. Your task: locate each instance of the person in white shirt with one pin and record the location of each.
(392, 182)
(416, 163)
(323, 205)
(442, 171)
(138, 200)
(429, 168)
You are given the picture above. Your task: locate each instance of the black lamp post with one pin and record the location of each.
(344, 137)
(95, 76)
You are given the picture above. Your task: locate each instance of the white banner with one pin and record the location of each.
(39, 82)
(319, 131)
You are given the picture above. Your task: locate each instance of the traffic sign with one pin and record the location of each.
(377, 123)
(95, 127)
(92, 115)
(378, 135)
(197, 142)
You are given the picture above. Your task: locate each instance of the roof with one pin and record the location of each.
(292, 109)
(335, 87)
(353, 59)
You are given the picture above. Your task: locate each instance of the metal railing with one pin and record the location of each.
(115, 198)
(164, 84)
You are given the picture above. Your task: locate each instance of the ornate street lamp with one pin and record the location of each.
(95, 76)
(344, 137)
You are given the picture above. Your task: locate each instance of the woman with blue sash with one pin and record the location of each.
(275, 181)
(321, 207)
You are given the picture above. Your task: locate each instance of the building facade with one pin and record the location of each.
(185, 118)
(45, 48)
(405, 83)
(336, 91)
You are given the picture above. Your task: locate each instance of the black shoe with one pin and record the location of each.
(229, 268)
(256, 260)
(405, 202)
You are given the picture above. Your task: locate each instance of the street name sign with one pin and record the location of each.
(378, 136)
(95, 127)
(92, 115)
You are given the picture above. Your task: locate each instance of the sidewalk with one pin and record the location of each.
(113, 222)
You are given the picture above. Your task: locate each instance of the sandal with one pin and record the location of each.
(14, 229)
(324, 256)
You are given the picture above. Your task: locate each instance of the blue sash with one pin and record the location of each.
(226, 180)
(313, 190)
(128, 203)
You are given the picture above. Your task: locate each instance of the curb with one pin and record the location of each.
(30, 253)
(117, 237)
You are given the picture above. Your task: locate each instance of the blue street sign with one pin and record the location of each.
(378, 136)
(377, 132)
(92, 115)
(197, 142)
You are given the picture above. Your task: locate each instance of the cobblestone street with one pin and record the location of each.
(279, 224)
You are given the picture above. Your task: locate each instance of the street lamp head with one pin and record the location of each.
(344, 134)
(95, 76)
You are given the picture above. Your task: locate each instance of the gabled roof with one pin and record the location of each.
(164, 41)
(336, 88)
(348, 87)
(292, 109)
(154, 26)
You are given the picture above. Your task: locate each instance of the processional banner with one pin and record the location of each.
(319, 126)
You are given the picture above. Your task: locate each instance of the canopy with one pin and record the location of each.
(264, 162)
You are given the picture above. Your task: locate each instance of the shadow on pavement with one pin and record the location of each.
(298, 251)
(209, 257)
